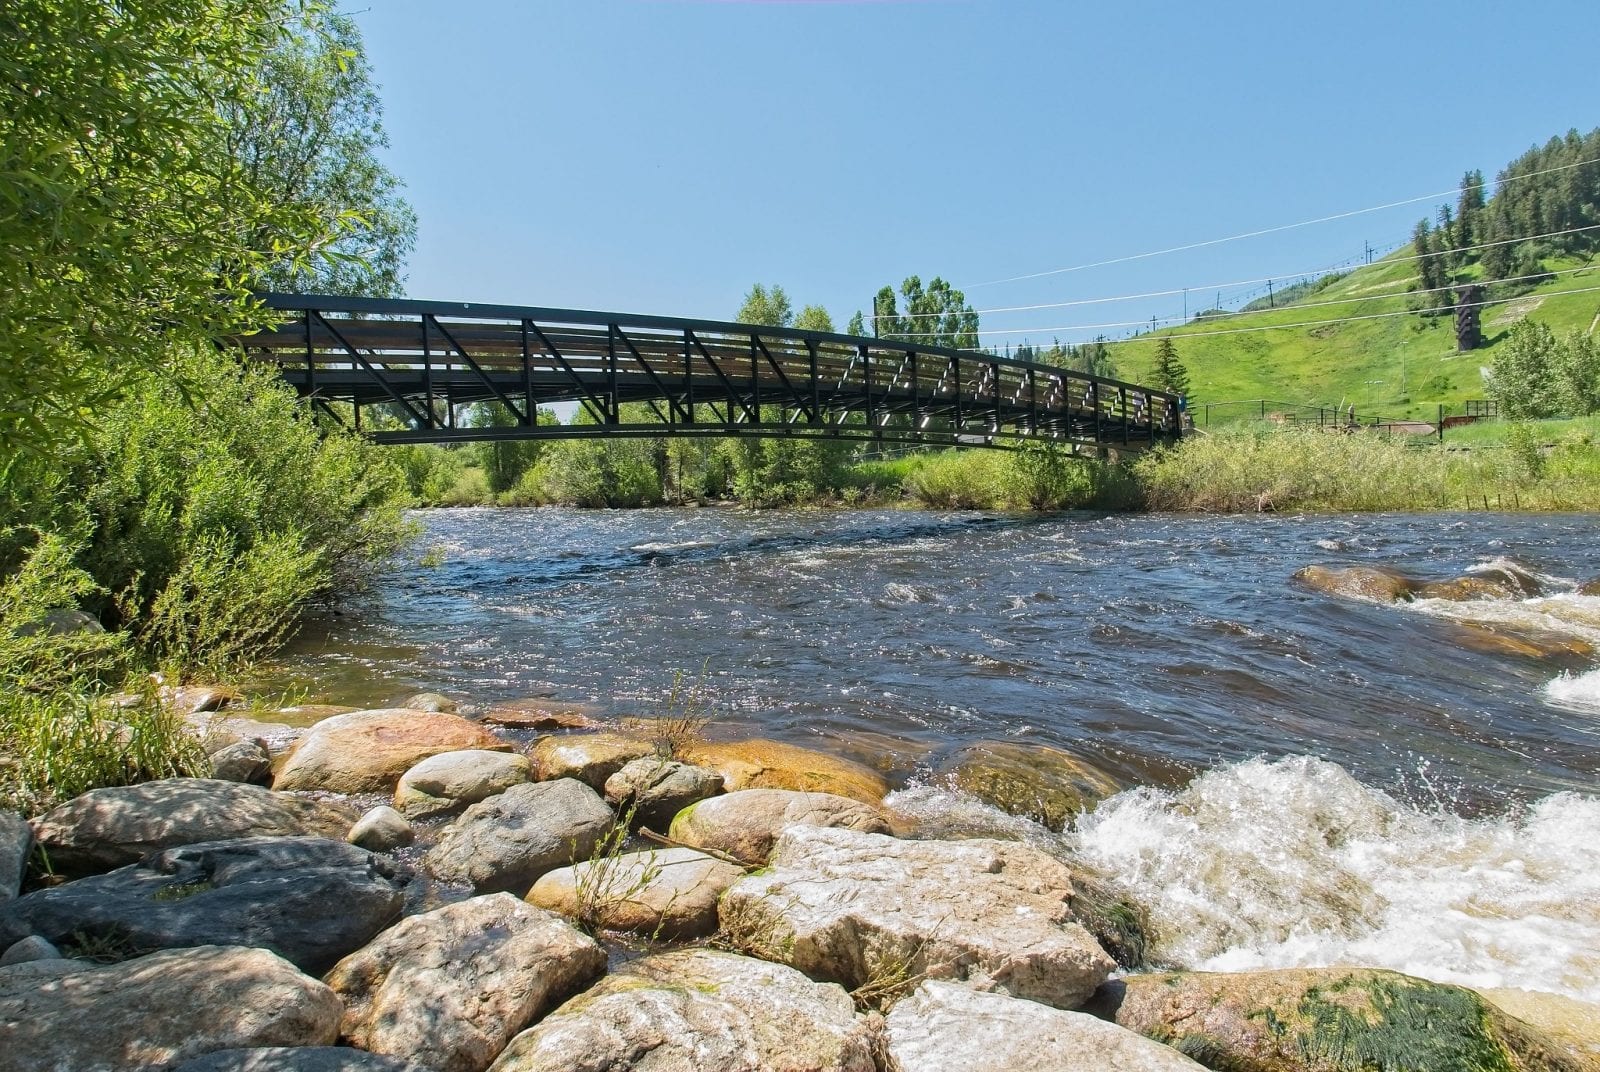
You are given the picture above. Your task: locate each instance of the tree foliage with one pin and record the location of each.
(1166, 370)
(936, 315)
(1523, 382)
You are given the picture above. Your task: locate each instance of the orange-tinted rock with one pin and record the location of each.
(542, 714)
(1531, 646)
(368, 751)
(591, 758)
(1358, 582)
(1465, 589)
(763, 764)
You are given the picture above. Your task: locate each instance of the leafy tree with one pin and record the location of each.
(768, 307)
(1523, 380)
(1577, 374)
(312, 137)
(937, 315)
(127, 224)
(505, 461)
(857, 325)
(1166, 371)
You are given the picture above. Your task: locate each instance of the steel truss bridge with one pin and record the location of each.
(422, 361)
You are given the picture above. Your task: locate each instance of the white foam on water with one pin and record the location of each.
(1293, 863)
(1582, 690)
(1567, 613)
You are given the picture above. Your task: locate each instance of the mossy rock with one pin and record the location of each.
(1118, 922)
(1048, 785)
(1333, 1020)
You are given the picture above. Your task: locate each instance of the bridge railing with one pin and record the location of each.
(425, 360)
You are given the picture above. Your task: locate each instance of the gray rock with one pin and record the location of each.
(311, 900)
(856, 908)
(382, 830)
(665, 893)
(30, 949)
(298, 1059)
(242, 761)
(435, 702)
(448, 782)
(63, 621)
(658, 789)
(16, 842)
(701, 1010)
(506, 842)
(745, 824)
(948, 1028)
(107, 828)
(160, 1010)
(450, 988)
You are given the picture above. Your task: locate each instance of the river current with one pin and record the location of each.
(1311, 779)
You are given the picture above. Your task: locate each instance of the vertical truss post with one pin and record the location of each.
(427, 373)
(754, 409)
(311, 362)
(1033, 402)
(1092, 396)
(955, 377)
(688, 375)
(866, 379)
(994, 384)
(1122, 397)
(530, 413)
(816, 391)
(916, 394)
(614, 405)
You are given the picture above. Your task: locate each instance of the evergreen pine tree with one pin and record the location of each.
(1167, 372)
(1469, 210)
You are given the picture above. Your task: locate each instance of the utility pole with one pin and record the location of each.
(1271, 304)
(1369, 250)
(1185, 305)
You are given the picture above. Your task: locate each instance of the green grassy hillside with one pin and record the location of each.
(1401, 366)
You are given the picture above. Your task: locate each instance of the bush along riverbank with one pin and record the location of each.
(434, 887)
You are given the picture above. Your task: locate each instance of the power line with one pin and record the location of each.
(1272, 230)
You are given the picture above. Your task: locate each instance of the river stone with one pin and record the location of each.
(591, 758)
(506, 842)
(449, 988)
(448, 782)
(1574, 1024)
(160, 1010)
(1328, 1019)
(242, 761)
(1359, 582)
(368, 751)
(1590, 588)
(536, 713)
(432, 701)
(657, 789)
(382, 830)
(310, 900)
(107, 828)
(855, 908)
(1528, 644)
(28, 950)
(16, 842)
(745, 824)
(1466, 589)
(298, 1059)
(943, 1027)
(702, 1010)
(1047, 785)
(762, 764)
(665, 893)
(198, 699)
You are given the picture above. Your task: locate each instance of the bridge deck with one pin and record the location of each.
(424, 360)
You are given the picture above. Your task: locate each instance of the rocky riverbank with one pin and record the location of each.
(428, 887)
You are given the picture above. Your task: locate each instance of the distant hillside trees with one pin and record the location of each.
(1090, 358)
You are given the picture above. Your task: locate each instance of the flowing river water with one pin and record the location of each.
(1311, 779)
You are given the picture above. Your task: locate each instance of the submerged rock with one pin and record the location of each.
(368, 751)
(666, 893)
(762, 764)
(107, 828)
(1590, 588)
(1474, 586)
(1048, 785)
(658, 789)
(702, 1010)
(506, 842)
(591, 758)
(448, 782)
(1529, 644)
(537, 713)
(1328, 1020)
(859, 909)
(449, 988)
(298, 1059)
(159, 1010)
(16, 842)
(310, 900)
(1359, 582)
(745, 824)
(432, 701)
(948, 1028)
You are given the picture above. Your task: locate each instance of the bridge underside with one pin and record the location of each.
(423, 363)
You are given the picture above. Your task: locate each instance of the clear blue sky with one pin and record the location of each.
(663, 155)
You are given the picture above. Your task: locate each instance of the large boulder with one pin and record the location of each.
(1359, 582)
(1329, 1020)
(666, 893)
(591, 758)
(702, 1010)
(446, 783)
(449, 988)
(506, 842)
(368, 751)
(657, 789)
(1048, 785)
(310, 900)
(107, 828)
(948, 1028)
(298, 1059)
(1572, 1023)
(864, 910)
(747, 823)
(159, 1010)
(16, 842)
(762, 764)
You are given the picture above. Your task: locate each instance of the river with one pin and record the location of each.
(1312, 779)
